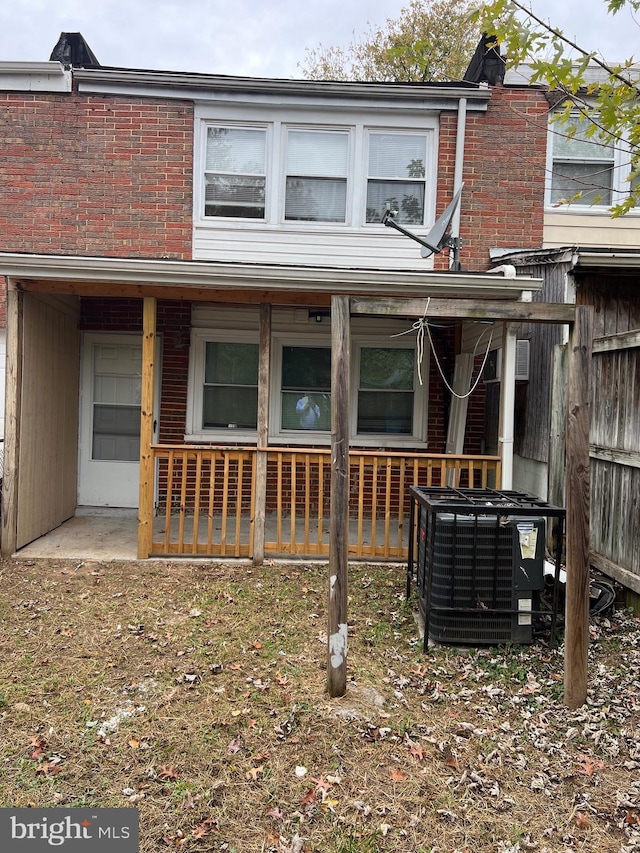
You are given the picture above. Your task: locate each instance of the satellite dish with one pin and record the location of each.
(439, 237)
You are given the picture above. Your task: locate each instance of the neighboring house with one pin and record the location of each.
(588, 258)
(173, 245)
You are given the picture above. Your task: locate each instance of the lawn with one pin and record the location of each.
(196, 693)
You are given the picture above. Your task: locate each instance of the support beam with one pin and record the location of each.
(13, 399)
(145, 500)
(577, 496)
(260, 482)
(507, 404)
(339, 511)
(466, 309)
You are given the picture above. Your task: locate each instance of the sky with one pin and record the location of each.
(255, 38)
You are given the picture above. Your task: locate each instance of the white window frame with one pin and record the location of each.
(620, 186)
(428, 181)
(277, 121)
(195, 385)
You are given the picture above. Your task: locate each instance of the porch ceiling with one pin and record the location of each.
(200, 279)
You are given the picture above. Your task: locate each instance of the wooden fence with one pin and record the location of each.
(206, 499)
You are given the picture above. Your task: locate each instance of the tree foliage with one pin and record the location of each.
(430, 40)
(605, 98)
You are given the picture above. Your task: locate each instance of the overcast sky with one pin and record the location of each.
(261, 38)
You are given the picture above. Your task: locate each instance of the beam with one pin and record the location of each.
(13, 421)
(576, 641)
(339, 509)
(467, 309)
(507, 404)
(260, 490)
(145, 499)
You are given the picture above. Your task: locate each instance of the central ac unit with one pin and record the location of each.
(493, 367)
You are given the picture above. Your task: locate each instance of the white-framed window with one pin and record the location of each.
(317, 164)
(235, 172)
(396, 176)
(340, 171)
(223, 384)
(388, 405)
(582, 169)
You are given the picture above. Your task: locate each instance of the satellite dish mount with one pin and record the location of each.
(438, 238)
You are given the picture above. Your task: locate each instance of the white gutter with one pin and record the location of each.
(34, 77)
(213, 274)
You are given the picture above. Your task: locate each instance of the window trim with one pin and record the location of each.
(195, 385)
(620, 162)
(277, 120)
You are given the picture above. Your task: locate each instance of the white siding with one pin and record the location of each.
(595, 230)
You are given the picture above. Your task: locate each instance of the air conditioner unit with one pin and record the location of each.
(479, 577)
(493, 367)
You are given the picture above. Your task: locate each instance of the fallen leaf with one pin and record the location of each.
(234, 745)
(322, 784)
(133, 743)
(589, 765)
(582, 820)
(417, 751)
(256, 644)
(276, 813)
(309, 797)
(398, 775)
(253, 774)
(167, 771)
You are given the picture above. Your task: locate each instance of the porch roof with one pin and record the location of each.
(35, 271)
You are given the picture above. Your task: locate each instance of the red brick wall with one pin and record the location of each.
(504, 175)
(96, 175)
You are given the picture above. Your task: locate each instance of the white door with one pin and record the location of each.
(111, 381)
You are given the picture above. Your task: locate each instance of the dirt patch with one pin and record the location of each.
(196, 693)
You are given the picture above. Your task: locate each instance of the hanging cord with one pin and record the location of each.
(418, 327)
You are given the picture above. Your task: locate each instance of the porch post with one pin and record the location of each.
(12, 422)
(260, 480)
(576, 639)
(507, 404)
(145, 502)
(339, 509)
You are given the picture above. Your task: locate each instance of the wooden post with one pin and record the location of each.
(12, 422)
(339, 510)
(260, 491)
(576, 641)
(145, 500)
(507, 404)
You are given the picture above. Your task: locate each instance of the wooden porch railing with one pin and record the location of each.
(206, 499)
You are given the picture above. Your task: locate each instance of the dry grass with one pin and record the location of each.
(196, 693)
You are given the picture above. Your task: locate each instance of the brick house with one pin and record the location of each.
(173, 245)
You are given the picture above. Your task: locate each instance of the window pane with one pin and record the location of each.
(309, 411)
(385, 412)
(385, 396)
(306, 387)
(397, 155)
(590, 179)
(578, 146)
(407, 199)
(230, 407)
(116, 433)
(230, 195)
(318, 154)
(236, 150)
(316, 200)
(230, 394)
(230, 363)
(386, 368)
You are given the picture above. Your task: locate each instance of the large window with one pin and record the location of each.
(235, 172)
(306, 388)
(583, 169)
(342, 170)
(387, 404)
(223, 383)
(385, 391)
(396, 176)
(316, 179)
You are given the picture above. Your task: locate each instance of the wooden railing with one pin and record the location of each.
(207, 499)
